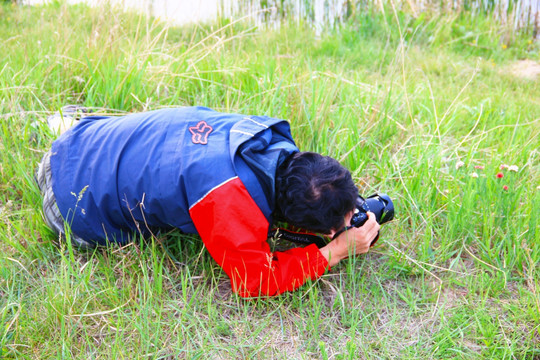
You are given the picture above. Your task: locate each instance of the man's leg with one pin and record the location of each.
(51, 213)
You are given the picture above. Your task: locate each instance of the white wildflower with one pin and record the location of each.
(459, 164)
(474, 175)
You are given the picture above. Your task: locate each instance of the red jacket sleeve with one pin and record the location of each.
(234, 230)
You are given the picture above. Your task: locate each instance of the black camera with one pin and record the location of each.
(379, 204)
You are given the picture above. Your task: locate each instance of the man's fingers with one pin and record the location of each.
(372, 226)
(361, 237)
(371, 223)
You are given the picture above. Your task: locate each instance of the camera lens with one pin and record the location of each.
(382, 206)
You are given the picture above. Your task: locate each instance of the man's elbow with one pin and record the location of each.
(261, 286)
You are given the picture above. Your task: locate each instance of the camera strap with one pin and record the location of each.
(303, 238)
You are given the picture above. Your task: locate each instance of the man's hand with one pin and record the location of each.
(353, 241)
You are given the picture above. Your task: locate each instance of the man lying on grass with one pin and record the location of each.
(226, 177)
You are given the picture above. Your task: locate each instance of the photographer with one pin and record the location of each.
(226, 177)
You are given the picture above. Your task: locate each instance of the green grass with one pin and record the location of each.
(455, 276)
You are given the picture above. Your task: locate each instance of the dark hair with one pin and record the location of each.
(314, 192)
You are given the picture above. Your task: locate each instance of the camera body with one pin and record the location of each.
(379, 204)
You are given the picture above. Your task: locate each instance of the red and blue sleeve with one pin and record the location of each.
(234, 230)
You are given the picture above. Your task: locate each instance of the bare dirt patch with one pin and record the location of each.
(526, 69)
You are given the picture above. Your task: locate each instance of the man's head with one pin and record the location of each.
(314, 192)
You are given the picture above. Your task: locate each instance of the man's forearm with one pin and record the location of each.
(332, 253)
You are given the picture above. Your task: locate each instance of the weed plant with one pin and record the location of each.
(424, 108)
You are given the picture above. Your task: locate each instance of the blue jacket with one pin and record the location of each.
(189, 168)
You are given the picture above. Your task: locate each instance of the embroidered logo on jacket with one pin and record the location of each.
(200, 132)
